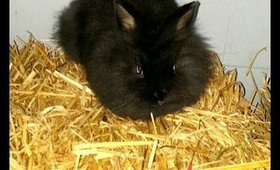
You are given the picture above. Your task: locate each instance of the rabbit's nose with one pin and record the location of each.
(160, 95)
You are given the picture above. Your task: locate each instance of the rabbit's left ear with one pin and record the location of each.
(186, 15)
(124, 18)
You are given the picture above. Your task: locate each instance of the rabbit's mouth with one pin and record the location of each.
(158, 103)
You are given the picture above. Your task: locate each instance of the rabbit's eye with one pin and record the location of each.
(139, 71)
(174, 68)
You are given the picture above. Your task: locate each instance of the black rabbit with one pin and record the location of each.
(140, 56)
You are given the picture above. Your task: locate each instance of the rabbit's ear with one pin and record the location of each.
(124, 18)
(186, 15)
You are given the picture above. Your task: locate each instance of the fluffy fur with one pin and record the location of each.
(140, 56)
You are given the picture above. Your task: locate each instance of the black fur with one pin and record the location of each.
(154, 67)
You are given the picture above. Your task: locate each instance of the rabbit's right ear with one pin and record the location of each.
(185, 16)
(124, 18)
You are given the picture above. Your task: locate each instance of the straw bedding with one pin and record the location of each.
(57, 123)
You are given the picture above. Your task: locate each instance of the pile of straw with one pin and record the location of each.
(57, 123)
